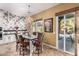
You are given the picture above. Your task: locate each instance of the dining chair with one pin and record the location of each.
(23, 45)
(38, 43)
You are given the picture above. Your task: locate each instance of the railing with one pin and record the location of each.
(11, 32)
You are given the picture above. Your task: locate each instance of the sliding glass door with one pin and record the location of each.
(66, 33)
(61, 32)
(70, 32)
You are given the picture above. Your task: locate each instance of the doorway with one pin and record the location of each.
(66, 33)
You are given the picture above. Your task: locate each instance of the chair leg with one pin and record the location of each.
(16, 47)
(41, 49)
(23, 51)
(20, 50)
(38, 51)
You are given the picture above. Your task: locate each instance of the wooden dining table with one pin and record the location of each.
(30, 38)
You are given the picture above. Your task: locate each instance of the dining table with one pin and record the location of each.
(30, 38)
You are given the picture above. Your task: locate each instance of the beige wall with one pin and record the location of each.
(51, 37)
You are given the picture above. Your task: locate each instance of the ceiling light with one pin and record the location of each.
(28, 11)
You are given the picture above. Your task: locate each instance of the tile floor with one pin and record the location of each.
(78, 49)
(10, 50)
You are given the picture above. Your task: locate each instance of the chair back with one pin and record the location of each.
(21, 38)
(39, 39)
(39, 36)
(34, 33)
(16, 36)
(23, 42)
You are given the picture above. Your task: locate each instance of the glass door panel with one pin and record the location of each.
(70, 32)
(61, 32)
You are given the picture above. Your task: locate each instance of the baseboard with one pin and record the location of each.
(56, 48)
(51, 46)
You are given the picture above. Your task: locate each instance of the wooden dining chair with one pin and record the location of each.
(38, 43)
(23, 45)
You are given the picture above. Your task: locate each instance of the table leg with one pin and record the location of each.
(31, 48)
(42, 47)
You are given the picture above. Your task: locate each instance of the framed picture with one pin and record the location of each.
(48, 25)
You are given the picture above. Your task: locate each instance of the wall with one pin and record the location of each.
(51, 37)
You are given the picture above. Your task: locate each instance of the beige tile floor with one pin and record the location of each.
(78, 49)
(10, 50)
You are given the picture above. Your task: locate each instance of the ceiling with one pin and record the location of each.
(21, 9)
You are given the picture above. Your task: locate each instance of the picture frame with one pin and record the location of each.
(48, 25)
